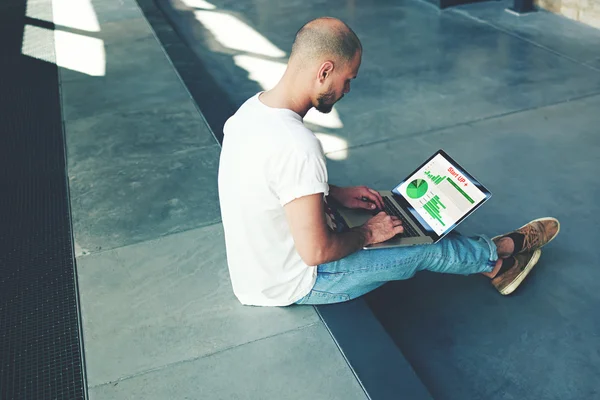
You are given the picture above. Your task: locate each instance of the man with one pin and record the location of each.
(272, 185)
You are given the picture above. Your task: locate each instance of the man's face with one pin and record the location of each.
(339, 85)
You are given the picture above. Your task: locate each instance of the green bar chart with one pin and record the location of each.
(437, 179)
(469, 199)
(433, 208)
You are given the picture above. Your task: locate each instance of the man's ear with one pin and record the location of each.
(325, 71)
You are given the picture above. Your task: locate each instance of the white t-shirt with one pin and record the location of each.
(268, 159)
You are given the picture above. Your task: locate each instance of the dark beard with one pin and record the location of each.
(325, 102)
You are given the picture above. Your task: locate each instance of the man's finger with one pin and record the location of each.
(366, 204)
(398, 229)
(368, 196)
(379, 200)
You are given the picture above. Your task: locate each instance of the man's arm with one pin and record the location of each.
(316, 244)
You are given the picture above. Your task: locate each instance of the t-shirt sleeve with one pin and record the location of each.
(300, 175)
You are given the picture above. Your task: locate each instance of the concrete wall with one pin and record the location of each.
(586, 11)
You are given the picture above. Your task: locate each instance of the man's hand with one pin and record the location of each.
(381, 227)
(357, 197)
(315, 243)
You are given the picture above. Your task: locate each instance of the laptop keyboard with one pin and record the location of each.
(390, 209)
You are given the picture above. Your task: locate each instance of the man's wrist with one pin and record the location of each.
(365, 235)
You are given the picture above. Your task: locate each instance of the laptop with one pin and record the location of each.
(431, 202)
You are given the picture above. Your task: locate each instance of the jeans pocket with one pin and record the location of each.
(317, 297)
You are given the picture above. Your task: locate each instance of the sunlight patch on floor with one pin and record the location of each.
(75, 14)
(234, 34)
(80, 53)
(72, 51)
(199, 4)
(264, 72)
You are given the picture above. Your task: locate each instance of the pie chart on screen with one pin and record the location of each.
(416, 188)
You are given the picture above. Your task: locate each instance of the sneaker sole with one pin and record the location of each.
(519, 279)
(535, 220)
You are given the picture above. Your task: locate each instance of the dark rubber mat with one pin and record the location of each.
(41, 350)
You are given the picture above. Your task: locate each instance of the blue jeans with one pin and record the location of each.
(366, 270)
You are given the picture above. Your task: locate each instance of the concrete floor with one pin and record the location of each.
(514, 100)
(160, 319)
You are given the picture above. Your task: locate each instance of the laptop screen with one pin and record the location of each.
(440, 193)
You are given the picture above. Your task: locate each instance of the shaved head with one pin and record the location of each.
(325, 38)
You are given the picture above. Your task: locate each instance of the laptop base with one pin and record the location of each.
(357, 217)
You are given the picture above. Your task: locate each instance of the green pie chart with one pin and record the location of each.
(416, 188)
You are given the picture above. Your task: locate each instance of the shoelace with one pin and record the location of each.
(533, 236)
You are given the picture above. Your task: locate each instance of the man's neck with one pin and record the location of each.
(282, 96)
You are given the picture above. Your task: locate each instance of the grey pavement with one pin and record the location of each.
(514, 100)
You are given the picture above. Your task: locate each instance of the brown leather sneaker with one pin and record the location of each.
(508, 280)
(538, 233)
